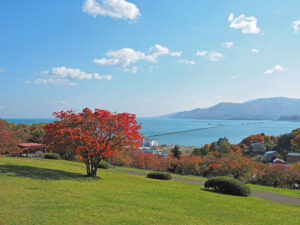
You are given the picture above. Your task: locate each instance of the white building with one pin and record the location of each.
(150, 143)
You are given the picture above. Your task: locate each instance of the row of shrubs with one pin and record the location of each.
(232, 164)
(226, 185)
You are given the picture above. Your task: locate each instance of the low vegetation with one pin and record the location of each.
(282, 191)
(159, 175)
(233, 164)
(104, 165)
(52, 156)
(38, 191)
(228, 185)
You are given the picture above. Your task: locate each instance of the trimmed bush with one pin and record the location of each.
(159, 175)
(228, 185)
(52, 156)
(104, 165)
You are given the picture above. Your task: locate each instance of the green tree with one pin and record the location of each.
(200, 151)
(176, 152)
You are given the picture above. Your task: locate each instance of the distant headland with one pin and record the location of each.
(279, 108)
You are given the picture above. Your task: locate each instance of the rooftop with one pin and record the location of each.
(294, 154)
(32, 145)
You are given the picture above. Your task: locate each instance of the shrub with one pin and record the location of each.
(276, 175)
(52, 156)
(104, 165)
(228, 185)
(159, 175)
(258, 158)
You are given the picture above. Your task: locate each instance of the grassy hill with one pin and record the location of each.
(40, 191)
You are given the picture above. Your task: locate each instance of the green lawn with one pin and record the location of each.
(40, 191)
(283, 191)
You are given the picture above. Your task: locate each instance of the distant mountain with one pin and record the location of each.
(260, 109)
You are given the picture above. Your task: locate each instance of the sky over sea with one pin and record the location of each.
(145, 57)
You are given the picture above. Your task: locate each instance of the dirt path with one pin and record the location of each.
(260, 194)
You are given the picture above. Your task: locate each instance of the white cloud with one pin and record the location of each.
(187, 62)
(234, 77)
(276, 68)
(158, 50)
(296, 26)
(51, 81)
(230, 17)
(131, 70)
(255, 50)
(119, 9)
(211, 56)
(124, 57)
(63, 75)
(248, 25)
(1, 70)
(228, 44)
(127, 56)
(215, 56)
(60, 102)
(75, 74)
(203, 53)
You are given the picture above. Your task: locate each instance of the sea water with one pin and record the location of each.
(235, 130)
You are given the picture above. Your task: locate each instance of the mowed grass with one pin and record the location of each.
(282, 191)
(40, 191)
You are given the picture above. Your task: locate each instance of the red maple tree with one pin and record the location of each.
(93, 136)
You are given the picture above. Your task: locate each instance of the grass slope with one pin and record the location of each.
(282, 191)
(40, 191)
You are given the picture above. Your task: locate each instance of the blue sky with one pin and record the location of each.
(144, 57)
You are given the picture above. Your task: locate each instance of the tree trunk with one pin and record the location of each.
(92, 164)
(88, 170)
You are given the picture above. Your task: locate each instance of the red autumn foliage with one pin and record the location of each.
(253, 139)
(8, 140)
(233, 164)
(276, 175)
(93, 136)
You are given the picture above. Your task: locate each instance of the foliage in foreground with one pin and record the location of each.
(228, 185)
(159, 175)
(93, 136)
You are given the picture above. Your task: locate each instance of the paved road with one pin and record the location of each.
(261, 194)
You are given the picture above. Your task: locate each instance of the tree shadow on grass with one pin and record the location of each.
(216, 192)
(41, 173)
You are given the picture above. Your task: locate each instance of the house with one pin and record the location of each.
(29, 148)
(150, 143)
(257, 148)
(279, 161)
(269, 156)
(293, 157)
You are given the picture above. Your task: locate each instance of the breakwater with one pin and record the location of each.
(184, 131)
